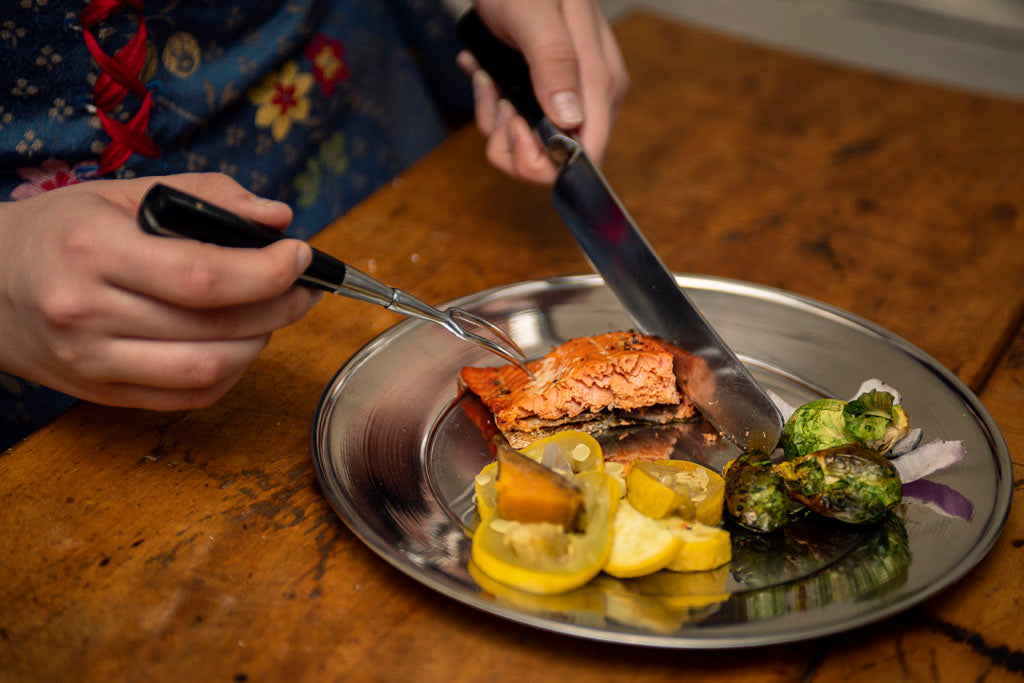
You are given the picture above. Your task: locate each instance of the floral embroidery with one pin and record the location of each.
(330, 157)
(23, 89)
(60, 109)
(282, 98)
(29, 144)
(54, 173)
(11, 32)
(328, 67)
(181, 55)
(48, 58)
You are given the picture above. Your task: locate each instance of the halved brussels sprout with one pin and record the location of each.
(754, 494)
(850, 483)
(873, 419)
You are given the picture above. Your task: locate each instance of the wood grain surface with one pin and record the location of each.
(197, 546)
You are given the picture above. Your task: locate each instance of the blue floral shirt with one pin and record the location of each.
(312, 102)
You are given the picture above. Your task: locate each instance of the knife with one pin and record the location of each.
(718, 383)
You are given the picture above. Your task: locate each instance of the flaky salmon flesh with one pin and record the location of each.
(588, 383)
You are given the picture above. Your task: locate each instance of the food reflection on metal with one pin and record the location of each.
(660, 603)
(697, 441)
(871, 561)
(876, 565)
(666, 601)
(432, 538)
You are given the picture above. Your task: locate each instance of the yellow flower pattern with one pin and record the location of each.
(282, 98)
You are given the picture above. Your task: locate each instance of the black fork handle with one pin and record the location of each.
(169, 212)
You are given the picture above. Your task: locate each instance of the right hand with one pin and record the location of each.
(92, 306)
(576, 71)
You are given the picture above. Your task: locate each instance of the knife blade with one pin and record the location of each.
(718, 383)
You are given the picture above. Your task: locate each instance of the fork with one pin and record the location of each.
(169, 212)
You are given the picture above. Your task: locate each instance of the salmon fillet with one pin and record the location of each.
(588, 383)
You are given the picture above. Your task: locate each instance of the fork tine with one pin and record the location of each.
(498, 332)
(510, 351)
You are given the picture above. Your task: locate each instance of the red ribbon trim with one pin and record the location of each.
(119, 76)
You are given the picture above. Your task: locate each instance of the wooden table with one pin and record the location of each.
(196, 546)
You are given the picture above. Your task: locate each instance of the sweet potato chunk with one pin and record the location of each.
(529, 492)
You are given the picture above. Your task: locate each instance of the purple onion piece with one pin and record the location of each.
(939, 497)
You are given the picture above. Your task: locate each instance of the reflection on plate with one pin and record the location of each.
(396, 456)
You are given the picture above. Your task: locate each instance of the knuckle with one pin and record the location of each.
(299, 303)
(281, 273)
(620, 85)
(205, 396)
(70, 356)
(625, 81)
(66, 308)
(204, 370)
(521, 166)
(199, 280)
(223, 323)
(79, 242)
(556, 55)
(497, 156)
(217, 182)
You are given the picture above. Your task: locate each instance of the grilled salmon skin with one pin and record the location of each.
(588, 383)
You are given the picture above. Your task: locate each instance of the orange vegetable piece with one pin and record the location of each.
(529, 492)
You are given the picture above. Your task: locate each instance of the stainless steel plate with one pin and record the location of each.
(396, 457)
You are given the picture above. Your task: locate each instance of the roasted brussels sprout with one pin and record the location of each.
(813, 426)
(851, 483)
(873, 419)
(755, 495)
(876, 420)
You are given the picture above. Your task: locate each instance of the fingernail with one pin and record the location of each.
(481, 81)
(315, 299)
(263, 201)
(303, 256)
(567, 108)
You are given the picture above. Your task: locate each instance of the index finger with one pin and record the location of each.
(539, 31)
(602, 72)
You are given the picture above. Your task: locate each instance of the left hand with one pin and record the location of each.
(577, 72)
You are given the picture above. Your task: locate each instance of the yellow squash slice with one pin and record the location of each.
(486, 494)
(575, 451)
(640, 544)
(676, 487)
(542, 557)
(703, 547)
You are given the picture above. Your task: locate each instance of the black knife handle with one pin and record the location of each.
(504, 64)
(169, 212)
